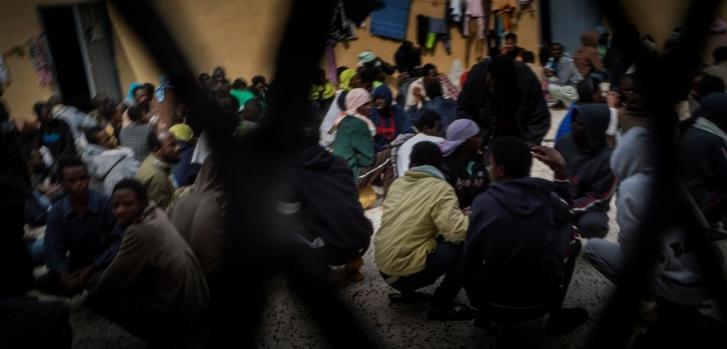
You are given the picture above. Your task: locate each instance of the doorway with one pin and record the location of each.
(82, 51)
(564, 20)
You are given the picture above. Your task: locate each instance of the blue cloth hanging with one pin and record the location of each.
(391, 20)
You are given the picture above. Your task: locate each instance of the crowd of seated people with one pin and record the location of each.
(134, 208)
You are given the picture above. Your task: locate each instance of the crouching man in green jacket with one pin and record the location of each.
(421, 236)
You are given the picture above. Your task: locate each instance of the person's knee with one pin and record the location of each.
(604, 255)
(593, 225)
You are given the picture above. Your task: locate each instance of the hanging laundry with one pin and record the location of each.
(391, 20)
(331, 63)
(39, 56)
(341, 28)
(509, 10)
(422, 29)
(454, 9)
(474, 11)
(438, 27)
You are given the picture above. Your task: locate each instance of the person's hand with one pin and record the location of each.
(467, 211)
(85, 274)
(551, 158)
(613, 99)
(49, 189)
(418, 94)
(549, 73)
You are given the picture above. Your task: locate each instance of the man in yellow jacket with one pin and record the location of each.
(421, 236)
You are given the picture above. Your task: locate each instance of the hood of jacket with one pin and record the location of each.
(384, 92)
(595, 119)
(522, 197)
(632, 155)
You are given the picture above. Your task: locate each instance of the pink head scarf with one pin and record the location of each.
(354, 100)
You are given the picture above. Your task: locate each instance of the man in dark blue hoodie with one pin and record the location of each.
(518, 239)
(587, 156)
(390, 119)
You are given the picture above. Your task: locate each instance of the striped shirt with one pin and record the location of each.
(135, 137)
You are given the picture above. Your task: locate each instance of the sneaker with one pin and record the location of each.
(410, 297)
(566, 320)
(450, 312)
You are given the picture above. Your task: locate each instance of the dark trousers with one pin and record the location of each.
(556, 303)
(28, 323)
(141, 316)
(592, 224)
(445, 260)
(553, 300)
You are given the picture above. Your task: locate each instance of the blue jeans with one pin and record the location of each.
(445, 260)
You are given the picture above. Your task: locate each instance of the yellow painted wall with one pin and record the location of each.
(241, 36)
(660, 17)
(528, 31)
(19, 22)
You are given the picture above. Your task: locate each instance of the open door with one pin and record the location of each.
(94, 34)
(564, 20)
(82, 50)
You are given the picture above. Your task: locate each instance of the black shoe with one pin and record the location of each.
(566, 320)
(411, 297)
(450, 312)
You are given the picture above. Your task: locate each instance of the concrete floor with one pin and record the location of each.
(287, 325)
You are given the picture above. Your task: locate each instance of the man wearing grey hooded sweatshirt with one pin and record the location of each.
(677, 277)
(586, 153)
(107, 163)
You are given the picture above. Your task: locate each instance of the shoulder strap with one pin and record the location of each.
(113, 166)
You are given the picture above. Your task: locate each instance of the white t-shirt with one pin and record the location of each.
(402, 155)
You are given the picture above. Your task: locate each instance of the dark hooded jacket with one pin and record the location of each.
(324, 202)
(390, 122)
(516, 243)
(588, 169)
(532, 118)
(16, 270)
(703, 159)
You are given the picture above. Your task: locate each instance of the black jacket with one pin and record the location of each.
(516, 243)
(16, 270)
(703, 161)
(57, 136)
(589, 170)
(468, 179)
(532, 118)
(329, 208)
